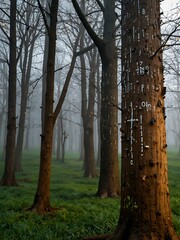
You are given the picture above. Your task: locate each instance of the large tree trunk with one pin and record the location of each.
(109, 184)
(145, 200)
(8, 178)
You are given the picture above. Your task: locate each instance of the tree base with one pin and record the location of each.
(98, 237)
(41, 205)
(107, 194)
(43, 210)
(9, 182)
(40, 209)
(124, 231)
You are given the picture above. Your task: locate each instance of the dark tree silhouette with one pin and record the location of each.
(8, 178)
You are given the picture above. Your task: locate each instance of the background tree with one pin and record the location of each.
(88, 102)
(29, 34)
(88, 119)
(109, 184)
(172, 67)
(3, 101)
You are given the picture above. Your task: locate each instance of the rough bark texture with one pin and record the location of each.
(8, 178)
(145, 200)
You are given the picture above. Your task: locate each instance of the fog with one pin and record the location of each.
(71, 112)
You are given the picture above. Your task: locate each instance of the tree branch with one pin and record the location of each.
(67, 81)
(97, 41)
(164, 43)
(100, 5)
(43, 15)
(86, 49)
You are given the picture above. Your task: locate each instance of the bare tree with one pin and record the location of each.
(109, 184)
(172, 67)
(29, 36)
(42, 197)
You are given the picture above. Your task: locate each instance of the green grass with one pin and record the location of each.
(81, 213)
(174, 186)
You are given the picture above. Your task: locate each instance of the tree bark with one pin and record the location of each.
(109, 184)
(98, 114)
(89, 162)
(145, 201)
(58, 149)
(42, 196)
(8, 178)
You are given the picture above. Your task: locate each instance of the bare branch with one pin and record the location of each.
(43, 15)
(98, 41)
(164, 43)
(100, 5)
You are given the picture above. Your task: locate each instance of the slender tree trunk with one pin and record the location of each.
(58, 150)
(1, 123)
(4, 138)
(23, 107)
(81, 143)
(8, 178)
(98, 114)
(145, 201)
(63, 140)
(42, 196)
(62, 136)
(45, 60)
(26, 144)
(89, 164)
(83, 91)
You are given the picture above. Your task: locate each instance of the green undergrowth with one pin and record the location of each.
(174, 186)
(80, 212)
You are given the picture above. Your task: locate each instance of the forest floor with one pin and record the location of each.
(81, 213)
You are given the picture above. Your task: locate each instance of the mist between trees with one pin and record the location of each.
(91, 77)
